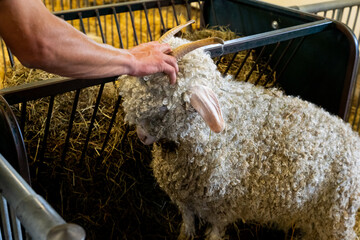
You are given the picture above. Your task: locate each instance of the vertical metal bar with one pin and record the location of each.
(127, 29)
(243, 63)
(118, 28)
(116, 108)
(47, 127)
(348, 17)
(278, 61)
(100, 26)
(218, 61)
(333, 13)
(133, 25)
(356, 115)
(62, 4)
(23, 116)
(105, 27)
(15, 225)
(175, 13)
(96, 107)
(291, 56)
(202, 19)
(230, 63)
(81, 23)
(340, 14)
(356, 17)
(11, 58)
(52, 5)
(3, 54)
(188, 9)
(5, 218)
(161, 16)
(147, 21)
(255, 63)
(71, 122)
(154, 25)
(112, 30)
(267, 63)
(141, 30)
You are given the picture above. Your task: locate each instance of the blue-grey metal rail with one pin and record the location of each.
(39, 219)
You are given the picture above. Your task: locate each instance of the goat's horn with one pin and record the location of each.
(182, 50)
(164, 38)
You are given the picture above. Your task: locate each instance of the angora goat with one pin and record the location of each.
(230, 150)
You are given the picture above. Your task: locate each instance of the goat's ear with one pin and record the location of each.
(205, 102)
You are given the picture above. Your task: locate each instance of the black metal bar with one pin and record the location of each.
(278, 61)
(161, 16)
(188, 9)
(267, 63)
(118, 29)
(243, 63)
(202, 19)
(231, 62)
(175, 13)
(291, 57)
(100, 26)
(147, 22)
(356, 115)
(133, 25)
(218, 61)
(96, 107)
(82, 24)
(40, 89)
(116, 108)
(71, 122)
(11, 58)
(23, 117)
(3, 54)
(47, 127)
(255, 63)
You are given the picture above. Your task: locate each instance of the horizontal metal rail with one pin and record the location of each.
(40, 220)
(49, 87)
(325, 6)
(109, 9)
(267, 38)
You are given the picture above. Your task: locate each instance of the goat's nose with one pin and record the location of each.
(144, 137)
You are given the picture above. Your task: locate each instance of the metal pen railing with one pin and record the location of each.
(19, 204)
(345, 11)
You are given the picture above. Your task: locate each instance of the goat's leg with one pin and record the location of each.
(187, 229)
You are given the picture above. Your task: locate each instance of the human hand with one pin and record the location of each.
(153, 57)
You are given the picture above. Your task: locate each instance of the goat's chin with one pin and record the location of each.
(144, 137)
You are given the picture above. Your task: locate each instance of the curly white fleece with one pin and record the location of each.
(279, 160)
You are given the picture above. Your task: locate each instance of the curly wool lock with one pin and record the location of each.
(278, 160)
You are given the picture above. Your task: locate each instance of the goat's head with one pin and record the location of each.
(161, 110)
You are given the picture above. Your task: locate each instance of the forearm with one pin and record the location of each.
(41, 40)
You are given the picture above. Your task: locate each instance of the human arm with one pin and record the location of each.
(41, 40)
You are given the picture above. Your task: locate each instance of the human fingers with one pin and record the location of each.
(165, 48)
(171, 72)
(171, 68)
